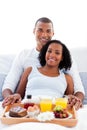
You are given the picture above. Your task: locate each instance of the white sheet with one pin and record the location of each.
(36, 126)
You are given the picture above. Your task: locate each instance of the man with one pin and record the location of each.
(43, 32)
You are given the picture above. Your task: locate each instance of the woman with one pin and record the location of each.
(48, 79)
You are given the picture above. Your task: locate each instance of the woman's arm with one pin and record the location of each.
(23, 81)
(70, 85)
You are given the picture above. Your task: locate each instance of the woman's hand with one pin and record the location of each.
(74, 101)
(11, 99)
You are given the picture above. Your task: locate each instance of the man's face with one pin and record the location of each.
(43, 33)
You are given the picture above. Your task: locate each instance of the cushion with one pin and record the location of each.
(83, 76)
(2, 78)
(6, 62)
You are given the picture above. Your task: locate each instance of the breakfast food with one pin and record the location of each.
(61, 102)
(30, 101)
(59, 112)
(33, 111)
(46, 105)
(27, 101)
(17, 111)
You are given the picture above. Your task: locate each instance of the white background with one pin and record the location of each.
(17, 19)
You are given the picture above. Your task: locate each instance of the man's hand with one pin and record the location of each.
(74, 101)
(14, 98)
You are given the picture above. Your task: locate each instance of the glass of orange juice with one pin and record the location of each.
(45, 105)
(61, 102)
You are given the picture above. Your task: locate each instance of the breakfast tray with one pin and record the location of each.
(15, 120)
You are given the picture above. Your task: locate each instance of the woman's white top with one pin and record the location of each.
(40, 84)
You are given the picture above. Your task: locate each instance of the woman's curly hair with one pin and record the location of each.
(65, 63)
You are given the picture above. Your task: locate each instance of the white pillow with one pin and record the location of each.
(83, 76)
(2, 78)
(6, 62)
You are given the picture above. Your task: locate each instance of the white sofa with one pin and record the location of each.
(79, 54)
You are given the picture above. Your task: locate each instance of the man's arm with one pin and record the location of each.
(79, 92)
(80, 95)
(13, 76)
(11, 82)
(78, 86)
(6, 93)
(76, 100)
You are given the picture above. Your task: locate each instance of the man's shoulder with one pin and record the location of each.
(26, 52)
(23, 54)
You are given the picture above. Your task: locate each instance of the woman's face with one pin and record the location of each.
(54, 54)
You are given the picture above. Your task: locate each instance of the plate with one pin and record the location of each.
(7, 115)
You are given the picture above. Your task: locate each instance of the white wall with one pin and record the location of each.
(17, 18)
